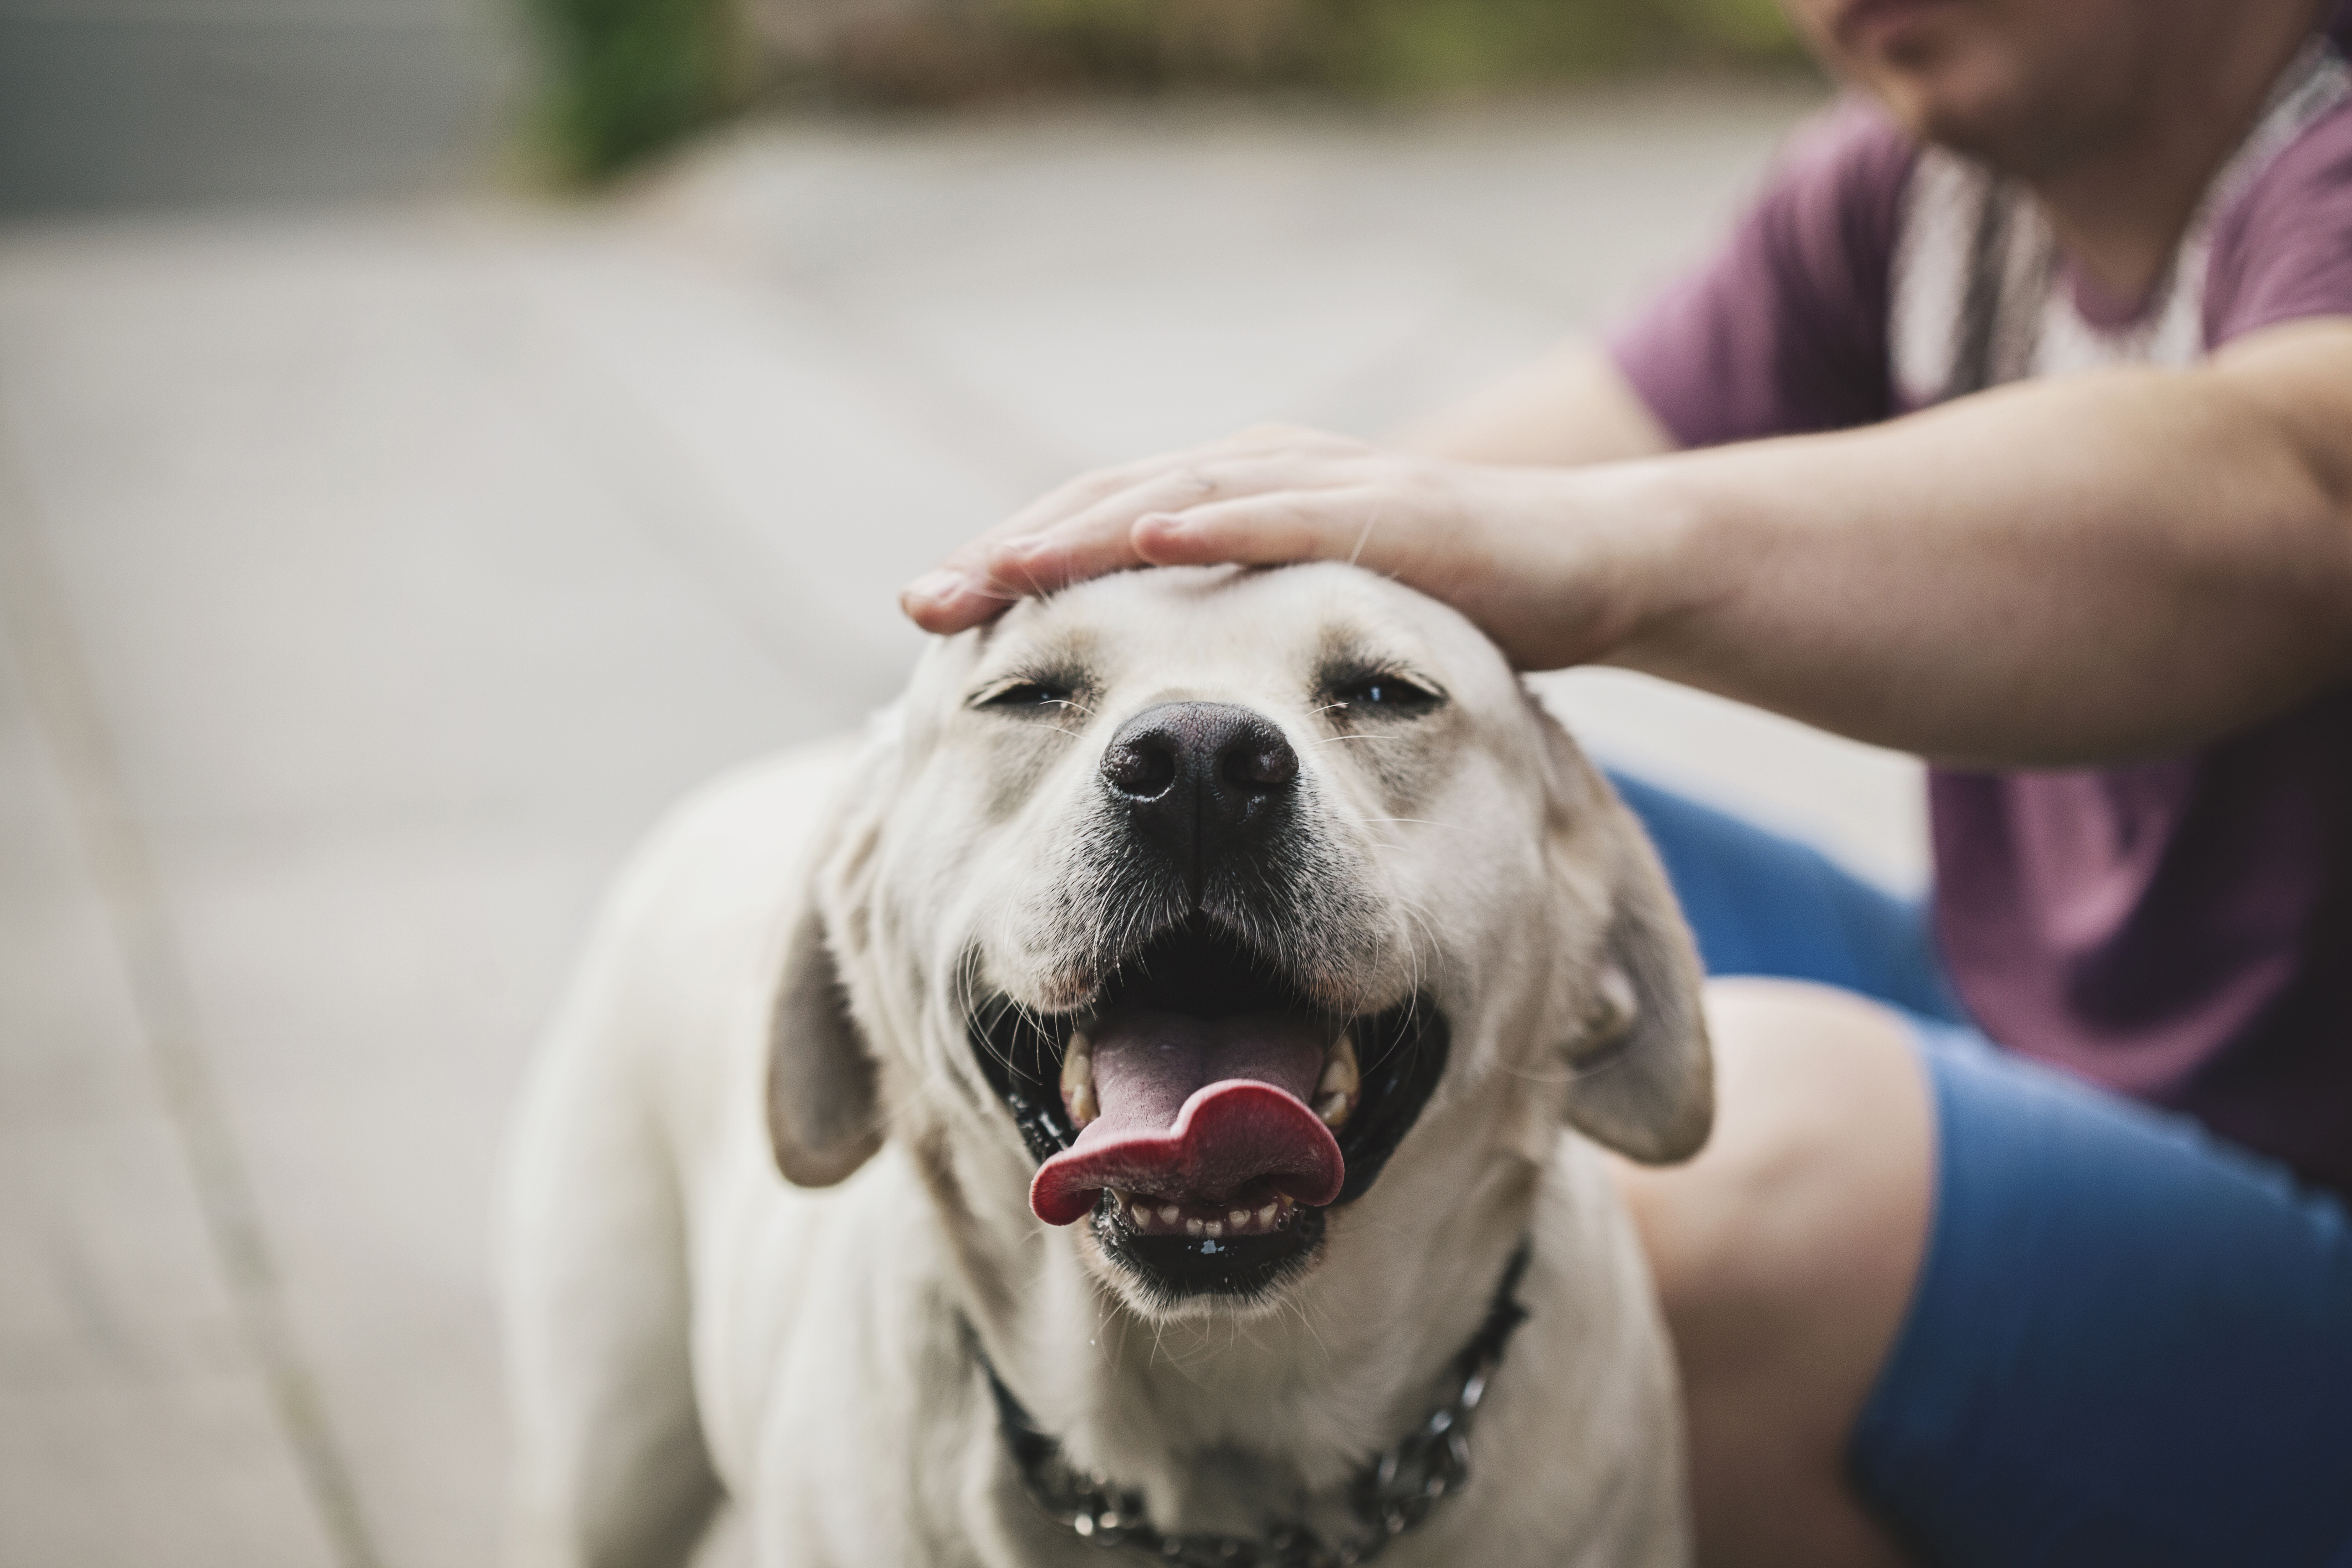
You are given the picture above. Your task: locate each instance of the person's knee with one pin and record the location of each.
(1812, 1196)
(1785, 1256)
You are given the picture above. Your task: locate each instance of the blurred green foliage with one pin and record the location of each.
(629, 77)
(1391, 48)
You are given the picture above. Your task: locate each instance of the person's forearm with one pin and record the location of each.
(2066, 572)
(2061, 572)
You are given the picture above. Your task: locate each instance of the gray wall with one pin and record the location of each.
(140, 103)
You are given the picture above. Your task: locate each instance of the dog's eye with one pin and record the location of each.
(1023, 696)
(1386, 692)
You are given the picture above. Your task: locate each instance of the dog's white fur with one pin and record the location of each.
(784, 979)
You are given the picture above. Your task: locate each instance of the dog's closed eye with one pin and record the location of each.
(1382, 692)
(1029, 694)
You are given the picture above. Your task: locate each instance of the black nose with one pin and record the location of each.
(1201, 781)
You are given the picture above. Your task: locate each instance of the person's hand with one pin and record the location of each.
(1516, 550)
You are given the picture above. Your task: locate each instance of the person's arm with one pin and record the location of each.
(1570, 407)
(2061, 573)
(2056, 572)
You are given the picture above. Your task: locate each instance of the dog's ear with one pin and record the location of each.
(825, 1115)
(1643, 1078)
(823, 1100)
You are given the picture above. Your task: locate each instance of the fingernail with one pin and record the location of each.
(934, 587)
(1026, 544)
(1163, 521)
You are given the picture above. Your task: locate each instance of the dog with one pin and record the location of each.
(1142, 1095)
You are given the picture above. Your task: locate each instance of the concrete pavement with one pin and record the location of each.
(113, 104)
(368, 581)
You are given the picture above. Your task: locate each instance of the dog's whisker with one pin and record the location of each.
(1307, 1321)
(892, 1113)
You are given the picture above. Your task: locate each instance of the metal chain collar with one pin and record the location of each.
(1394, 1492)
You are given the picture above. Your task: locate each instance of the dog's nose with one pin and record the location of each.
(1200, 779)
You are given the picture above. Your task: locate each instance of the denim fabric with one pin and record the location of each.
(2131, 1344)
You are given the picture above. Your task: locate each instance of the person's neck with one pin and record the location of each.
(2120, 207)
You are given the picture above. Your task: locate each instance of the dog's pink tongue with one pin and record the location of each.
(1193, 1109)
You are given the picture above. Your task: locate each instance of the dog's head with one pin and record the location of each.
(1185, 904)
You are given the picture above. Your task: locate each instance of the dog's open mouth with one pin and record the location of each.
(1206, 1110)
(1201, 1123)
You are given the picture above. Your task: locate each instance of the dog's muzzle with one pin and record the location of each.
(1201, 785)
(1210, 1101)
(1204, 1113)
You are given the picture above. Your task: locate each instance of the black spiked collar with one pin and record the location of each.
(1393, 1493)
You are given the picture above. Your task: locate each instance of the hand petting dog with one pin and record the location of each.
(1491, 541)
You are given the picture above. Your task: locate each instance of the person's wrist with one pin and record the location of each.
(1665, 555)
(1584, 563)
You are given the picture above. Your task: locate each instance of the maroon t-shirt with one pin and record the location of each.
(2178, 929)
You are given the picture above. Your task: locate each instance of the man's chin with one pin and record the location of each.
(1961, 99)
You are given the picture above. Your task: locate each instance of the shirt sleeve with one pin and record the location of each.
(2284, 250)
(1784, 330)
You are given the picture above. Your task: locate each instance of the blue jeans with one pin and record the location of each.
(2130, 1344)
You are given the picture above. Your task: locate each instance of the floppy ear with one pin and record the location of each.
(1643, 1079)
(823, 1104)
(824, 1098)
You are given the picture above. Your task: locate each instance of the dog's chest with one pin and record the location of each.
(883, 1444)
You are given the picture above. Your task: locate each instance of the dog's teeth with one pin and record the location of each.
(1336, 1091)
(1142, 1216)
(1213, 1227)
(1339, 1069)
(1170, 1213)
(1238, 1218)
(1078, 1079)
(1195, 1226)
(1267, 1214)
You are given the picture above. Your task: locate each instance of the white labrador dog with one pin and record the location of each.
(1176, 1024)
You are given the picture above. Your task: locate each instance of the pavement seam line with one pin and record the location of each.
(68, 720)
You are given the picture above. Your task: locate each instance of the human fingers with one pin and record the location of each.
(1102, 537)
(1098, 540)
(1493, 543)
(1279, 527)
(1075, 531)
(961, 591)
(1400, 515)
(1080, 529)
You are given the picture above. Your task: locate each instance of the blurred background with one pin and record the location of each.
(433, 433)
